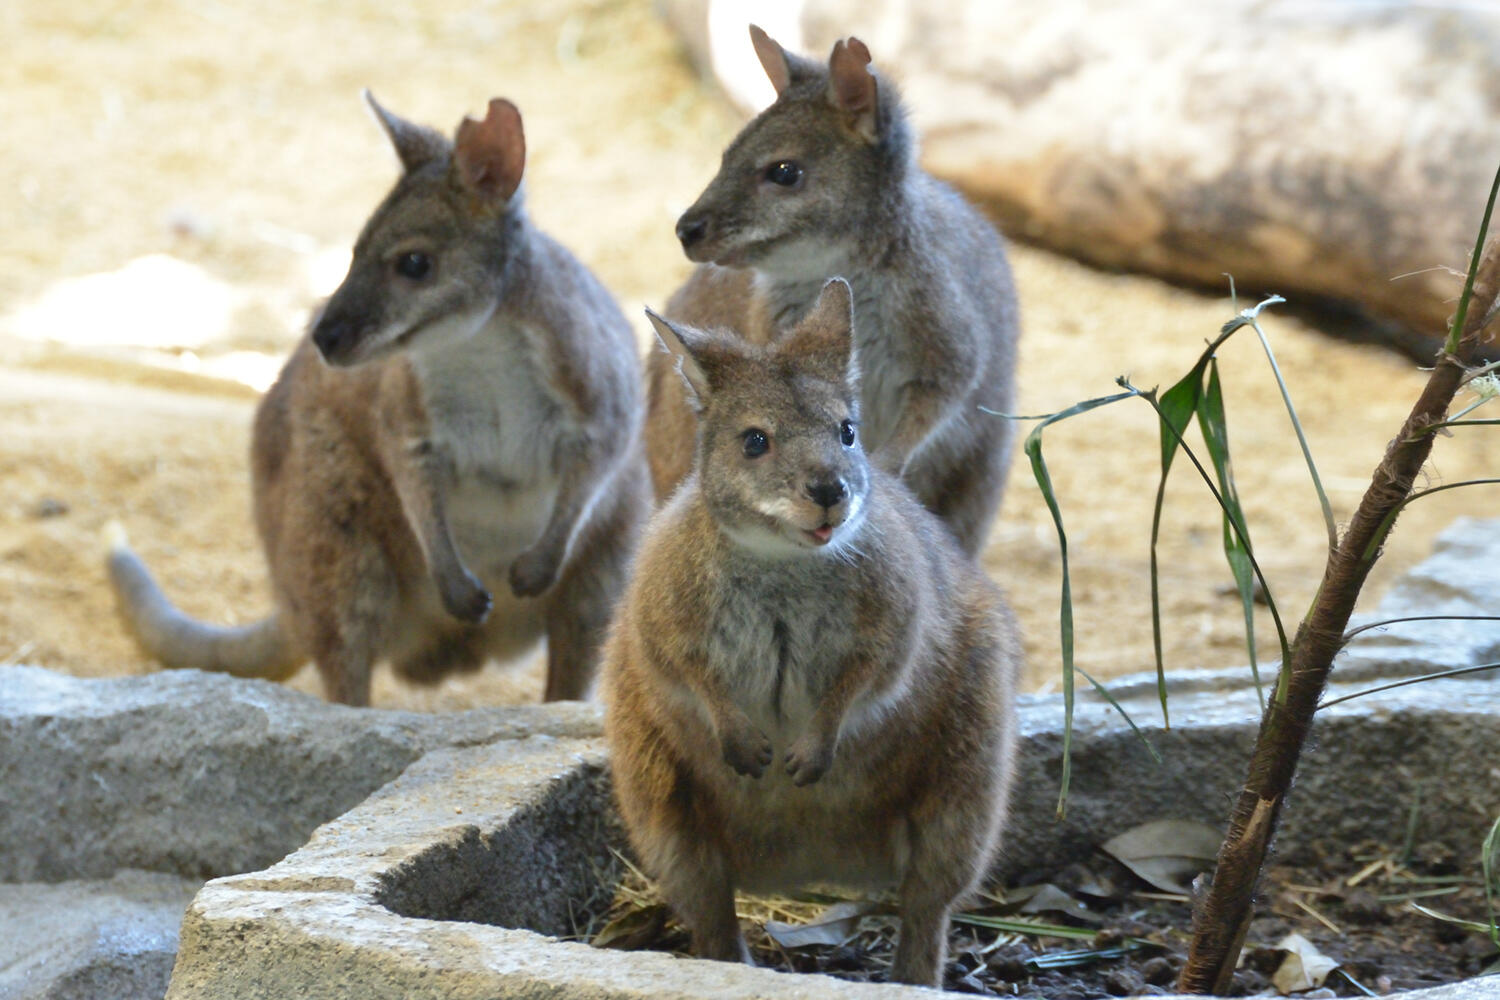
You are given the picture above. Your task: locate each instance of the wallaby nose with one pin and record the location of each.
(691, 231)
(331, 338)
(827, 493)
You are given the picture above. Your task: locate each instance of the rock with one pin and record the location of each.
(113, 939)
(201, 774)
(1336, 151)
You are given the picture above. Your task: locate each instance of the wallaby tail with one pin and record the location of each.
(261, 649)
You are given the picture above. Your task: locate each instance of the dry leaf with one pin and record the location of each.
(1048, 898)
(1167, 853)
(633, 930)
(1304, 968)
(833, 926)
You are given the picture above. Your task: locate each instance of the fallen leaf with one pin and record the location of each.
(633, 930)
(833, 926)
(1304, 968)
(1167, 853)
(1048, 898)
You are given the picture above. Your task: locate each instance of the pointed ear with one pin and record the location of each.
(772, 58)
(852, 86)
(824, 341)
(416, 145)
(489, 156)
(674, 340)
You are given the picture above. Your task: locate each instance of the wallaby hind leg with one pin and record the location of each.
(582, 602)
(950, 847)
(698, 886)
(350, 621)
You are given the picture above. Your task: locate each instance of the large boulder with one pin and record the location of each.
(1325, 151)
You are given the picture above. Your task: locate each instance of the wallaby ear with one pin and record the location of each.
(489, 156)
(675, 340)
(416, 145)
(824, 341)
(782, 67)
(852, 85)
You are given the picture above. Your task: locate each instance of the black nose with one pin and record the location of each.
(828, 493)
(332, 338)
(691, 231)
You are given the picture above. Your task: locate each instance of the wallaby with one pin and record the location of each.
(825, 182)
(449, 465)
(807, 680)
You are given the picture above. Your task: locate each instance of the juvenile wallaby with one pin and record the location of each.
(449, 466)
(825, 182)
(807, 681)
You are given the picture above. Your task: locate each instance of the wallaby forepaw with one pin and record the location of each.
(466, 599)
(747, 750)
(809, 759)
(533, 572)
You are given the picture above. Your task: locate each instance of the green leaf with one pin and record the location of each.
(1015, 925)
(1215, 430)
(1491, 854)
(1175, 408)
(1043, 478)
(1456, 331)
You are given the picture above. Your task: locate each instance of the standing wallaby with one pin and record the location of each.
(825, 182)
(807, 680)
(449, 466)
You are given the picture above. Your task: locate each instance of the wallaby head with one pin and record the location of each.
(430, 265)
(798, 180)
(779, 463)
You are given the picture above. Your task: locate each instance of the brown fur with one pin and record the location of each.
(784, 711)
(937, 311)
(459, 473)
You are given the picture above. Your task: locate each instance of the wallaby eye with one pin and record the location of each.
(756, 443)
(414, 265)
(846, 433)
(786, 173)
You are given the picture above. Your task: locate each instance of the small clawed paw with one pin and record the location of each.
(532, 573)
(466, 599)
(809, 759)
(748, 751)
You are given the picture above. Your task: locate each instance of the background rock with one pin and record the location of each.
(1331, 150)
(199, 774)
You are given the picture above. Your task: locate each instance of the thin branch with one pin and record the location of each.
(1419, 618)
(1459, 671)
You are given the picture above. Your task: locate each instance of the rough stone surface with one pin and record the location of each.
(113, 939)
(1318, 150)
(422, 890)
(201, 774)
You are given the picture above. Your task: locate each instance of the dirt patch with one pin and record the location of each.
(230, 138)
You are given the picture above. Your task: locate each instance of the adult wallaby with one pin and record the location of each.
(825, 182)
(807, 680)
(449, 466)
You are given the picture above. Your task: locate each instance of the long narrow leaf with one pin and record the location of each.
(1491, 889)
(1104, 693)
(1015, 925)
(1286, 398)
(1065, 618)
(1176, 407)
(1456, 331)
(1215, 430)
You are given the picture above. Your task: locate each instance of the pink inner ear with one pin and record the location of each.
(491, 154)
(853, 85)
(772, 58)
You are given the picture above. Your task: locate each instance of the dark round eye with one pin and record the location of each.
(413, 265)
(756, 443)
(784, 172)
(846, 433)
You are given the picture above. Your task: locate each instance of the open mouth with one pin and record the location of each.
(820, 535)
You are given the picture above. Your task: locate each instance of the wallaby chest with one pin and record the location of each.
(496, 428)
(779, 639)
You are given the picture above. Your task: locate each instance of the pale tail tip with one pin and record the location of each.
(115, 539)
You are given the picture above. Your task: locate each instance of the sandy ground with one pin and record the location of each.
(221, 148)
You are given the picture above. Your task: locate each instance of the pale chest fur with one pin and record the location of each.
(492, 418)
(777, 639)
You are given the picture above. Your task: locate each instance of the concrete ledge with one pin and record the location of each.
(499, 842)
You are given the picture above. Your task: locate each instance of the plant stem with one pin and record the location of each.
(1222, 915)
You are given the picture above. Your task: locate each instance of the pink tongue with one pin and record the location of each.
(824, 533)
